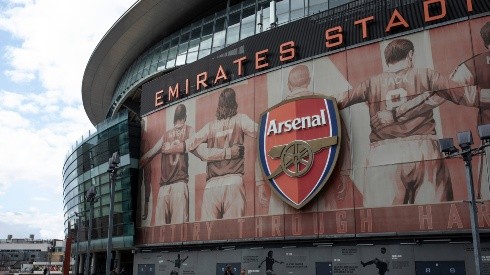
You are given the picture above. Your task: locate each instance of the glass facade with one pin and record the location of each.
(211, 34)
(87, 165)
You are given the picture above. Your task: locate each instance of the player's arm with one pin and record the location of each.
(354, 96)
(189, 144)
(414, 107)
(198, 138)
(150, 154)
(215, 154)
(457, 92)
(249, 126)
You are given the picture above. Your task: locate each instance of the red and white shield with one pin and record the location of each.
(298, 145)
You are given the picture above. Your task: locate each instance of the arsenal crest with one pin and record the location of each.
(299, 141)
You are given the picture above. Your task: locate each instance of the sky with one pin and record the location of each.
(44, 48)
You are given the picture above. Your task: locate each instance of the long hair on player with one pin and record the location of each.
(397, 50)
(227, 105)
(485, 34)
(180, 113)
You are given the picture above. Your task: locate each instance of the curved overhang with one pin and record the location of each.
(145, 23)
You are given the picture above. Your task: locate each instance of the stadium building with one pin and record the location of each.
(285, 137)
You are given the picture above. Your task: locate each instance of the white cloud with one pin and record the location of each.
(43, 116)
(18, 76)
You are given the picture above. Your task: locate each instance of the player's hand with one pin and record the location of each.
(237, 151)
(263, 199)
(382, 118)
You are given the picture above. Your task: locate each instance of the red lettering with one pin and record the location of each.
(334, 37)
(240, 228)
(261, 59)
(276, 226)
(201, 80)
(220, 75)
(159, 98)
(239, 63)
(363, 23)
(173, 93)
(258, 227)
(197, 229)
(209, 227)
(396, 20)
(366, 220)
(296, 225)
(425, 217)
(454, 217)
(442, 14)
(287, 51)
(341, 221)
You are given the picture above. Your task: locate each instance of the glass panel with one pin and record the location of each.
(282, 11)
(206, 40)
(194, 45)
(317, 6)
(297, 9)
(183, 49)
(233, 30)
(163, 57)
(248, 22)
(219, 34)
(336, 3)
(172, 53)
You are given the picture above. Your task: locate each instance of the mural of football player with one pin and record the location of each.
(224, 194)
(414, 180)
(173, 195)
(269, 263)
(298, 81)
(177, 264)
(381, 263)
(474, 74)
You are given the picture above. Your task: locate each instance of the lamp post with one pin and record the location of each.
(77, 261)
(91, 198)
(113, 166)
(465, 141)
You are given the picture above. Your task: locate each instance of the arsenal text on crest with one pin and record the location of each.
(296, 124)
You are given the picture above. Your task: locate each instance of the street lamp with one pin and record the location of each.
(465, 140)
(113, 166)
(77, 262)
(90, 197)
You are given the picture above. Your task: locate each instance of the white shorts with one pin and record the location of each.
(406, 171)
(173, 204)
(223, 198)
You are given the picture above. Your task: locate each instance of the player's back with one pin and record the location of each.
(392, 89)
(225, 133)
(175, 166)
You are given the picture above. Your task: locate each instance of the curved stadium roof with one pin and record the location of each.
(140, 27)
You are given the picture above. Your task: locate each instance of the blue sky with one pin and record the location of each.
(44, 47)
